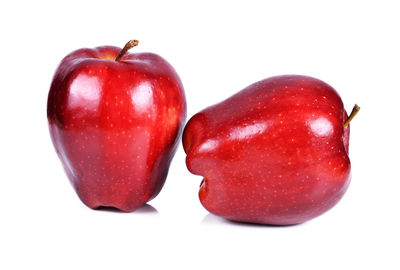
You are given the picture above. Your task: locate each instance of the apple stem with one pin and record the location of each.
(129, 45)
(353, 113)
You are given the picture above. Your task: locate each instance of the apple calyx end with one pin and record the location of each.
(129, 45)
(353, 113)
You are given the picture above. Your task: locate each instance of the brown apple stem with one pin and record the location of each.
(129, 45)
(353, 113)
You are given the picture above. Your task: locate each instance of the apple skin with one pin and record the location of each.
(275, 153)
(115, 125)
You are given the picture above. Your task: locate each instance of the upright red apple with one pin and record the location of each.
(115, 120)
(274, 153)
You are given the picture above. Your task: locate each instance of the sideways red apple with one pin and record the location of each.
(274, 153)
(115, 119)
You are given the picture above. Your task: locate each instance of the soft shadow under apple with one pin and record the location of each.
(213, 219)
(144, 209)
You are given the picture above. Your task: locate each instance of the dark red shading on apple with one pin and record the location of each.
(274, 153)
(115, 119)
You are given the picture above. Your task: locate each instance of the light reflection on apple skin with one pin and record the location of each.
(208, 145)
(85, 92)
(248, 131)
(142, 97)
(237, 133)
(321, 127)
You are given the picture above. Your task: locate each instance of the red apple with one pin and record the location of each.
(274, 153)
(115, 120)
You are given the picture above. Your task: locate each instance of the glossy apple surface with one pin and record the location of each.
(274, 153)
(115, 124)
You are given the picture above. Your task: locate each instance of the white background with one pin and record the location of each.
(218, 48)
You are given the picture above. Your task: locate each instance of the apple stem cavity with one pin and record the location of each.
(129, 45)
(353, 113)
